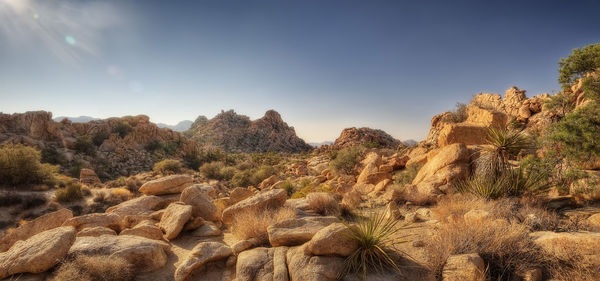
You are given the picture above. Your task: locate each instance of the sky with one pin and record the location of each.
(324, 65)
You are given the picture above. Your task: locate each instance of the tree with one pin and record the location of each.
(578, 63)
(576, 136)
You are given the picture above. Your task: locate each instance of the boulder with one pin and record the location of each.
(332, 240)
(266, 264)
(143, 253)
(238, 194)
(206, 230)
(594, 221)
(38, 253)
(141, 206)
(467, 267)
(371, 165)
(112, 221)
(201, 254)
(274, 198)
(588, 243)
(96, 231)
(174, 218)
(200, 188)
(485, 117)
(465, 133)
(293, 232)
(145, 229)
(303, 267)
(40, 224)
(268, 182)
(166, 185)
(201, 203)
(89, 177)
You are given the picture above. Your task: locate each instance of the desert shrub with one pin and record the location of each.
(561, 103)
(99, 137)
(269, 158)
(196, 157)
(576, 135)
(242, 178)
(407, 175)
(167, 166)
(112, 196)
(217, 170)
(122, 129)
(305, 187)
(506, 248)
(254, 223)
(323, 204)
(153, 145)
(95, 268)
(459, 114)
(263, 172)
(345, 160)
(85, 145)
(253, 176)
(372, 144)
(376, 237)
(503, 145)
(20, 165)
(72, 192)
(52, 156)
(289, 187)
(578, 63)
(510, 182)
(120, 181)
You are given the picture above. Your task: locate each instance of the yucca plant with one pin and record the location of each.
(502, 145)
(509, 182)
(376, 236)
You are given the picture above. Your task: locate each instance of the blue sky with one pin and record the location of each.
(324, 65)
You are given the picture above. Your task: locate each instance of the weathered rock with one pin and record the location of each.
(40, 224)
(166, 185)
(88, 176)
(174, 218)
(238, 194)
(255, 264)
(112, 221)
(588, 243)
(96, 231)
(38, 253)
(485, 117)
(145, 254)
(268, 182)
(200, 255)
(201, 204)
(209, 229)
(359, 136)
(332, 240)
(201, 188)
(594, 221)
(297, 231)
(302, 267)
(145, 229)
(141, 206)
(465, 133)
(274, 198)
(467, 267)
(243, 245)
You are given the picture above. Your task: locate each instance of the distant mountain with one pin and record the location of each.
(365, 136)
(180, 127)
(410, 142)
(237, 133)
(317, 144)
(80, 119)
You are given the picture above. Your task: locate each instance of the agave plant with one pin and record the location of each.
(377, 237)
(509, 182)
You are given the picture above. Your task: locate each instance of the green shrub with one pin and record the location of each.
(376, 237)
(503, 145)
(289, 187)
(99, 137)
(52, 156)
(510, 182)
(70, 193)
(20, 165)
(253, 176)
(122, 128)
(578, 63)
(561, 103)
(197, 157)
(153, 146)
(345, 160)
(269, 158)
(217, 171)
(459, 114)
(407, 175)
(242, 178)
(85, 145)
(75, 169)
(167, 166)
(576, 135)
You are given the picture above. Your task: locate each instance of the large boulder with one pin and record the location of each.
(197, 197)
(467, 267)
(145, 254)
(273, 198)
(40, 224)
(38, 253)
(145, 229)
(112, 221)
(486, 117)
(266, 264)
(166, 185)
(141, 206)
(332, 240)
(371, 173)
(303, 267)
(450, 163)
(293, 232)
(174, 218)
(465, 133)
(359, 136)
(200, 255)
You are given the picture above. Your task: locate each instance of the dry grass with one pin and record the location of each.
(573, 262)
(95, 268)
(505, 247)
(323, 203)
(111, 196)
(254, 223)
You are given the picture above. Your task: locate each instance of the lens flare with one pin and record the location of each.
(70, 40)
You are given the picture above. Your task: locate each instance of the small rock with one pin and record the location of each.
(201, 254)
(96, 231)
(174, 218)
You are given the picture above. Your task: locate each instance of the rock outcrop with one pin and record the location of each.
(200, 255)
(273, 198)
(40, 224)
(166, 185)
(237, 133)
(365, 136)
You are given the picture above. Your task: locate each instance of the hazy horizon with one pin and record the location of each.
(323, 65)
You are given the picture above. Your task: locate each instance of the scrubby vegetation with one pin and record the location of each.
(254, 223)
(95, 268)
(85, 145)
(168, 166)
(345, 160)
(323, 204)
(578, 64)
(20, 165)
(72, 192)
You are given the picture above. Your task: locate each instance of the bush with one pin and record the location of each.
(217, 171)
(197, 157)
(459, 114)
(99, 138)
(576, 135)
(95, 268)
(253, 176)
(561, 103)
(510, 182)
(122, 128)
(21, 165)
(167, 166)
(254, 223)
(578, 63)
(242, 178)
(376, 235)
(323, 204)
(407, 175)
(52, 156)
(85, 145)
(345, 160)
(70, 193)
(153, 146)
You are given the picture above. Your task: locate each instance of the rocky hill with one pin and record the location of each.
(237, 133)
(365, 136)
(113, 147)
